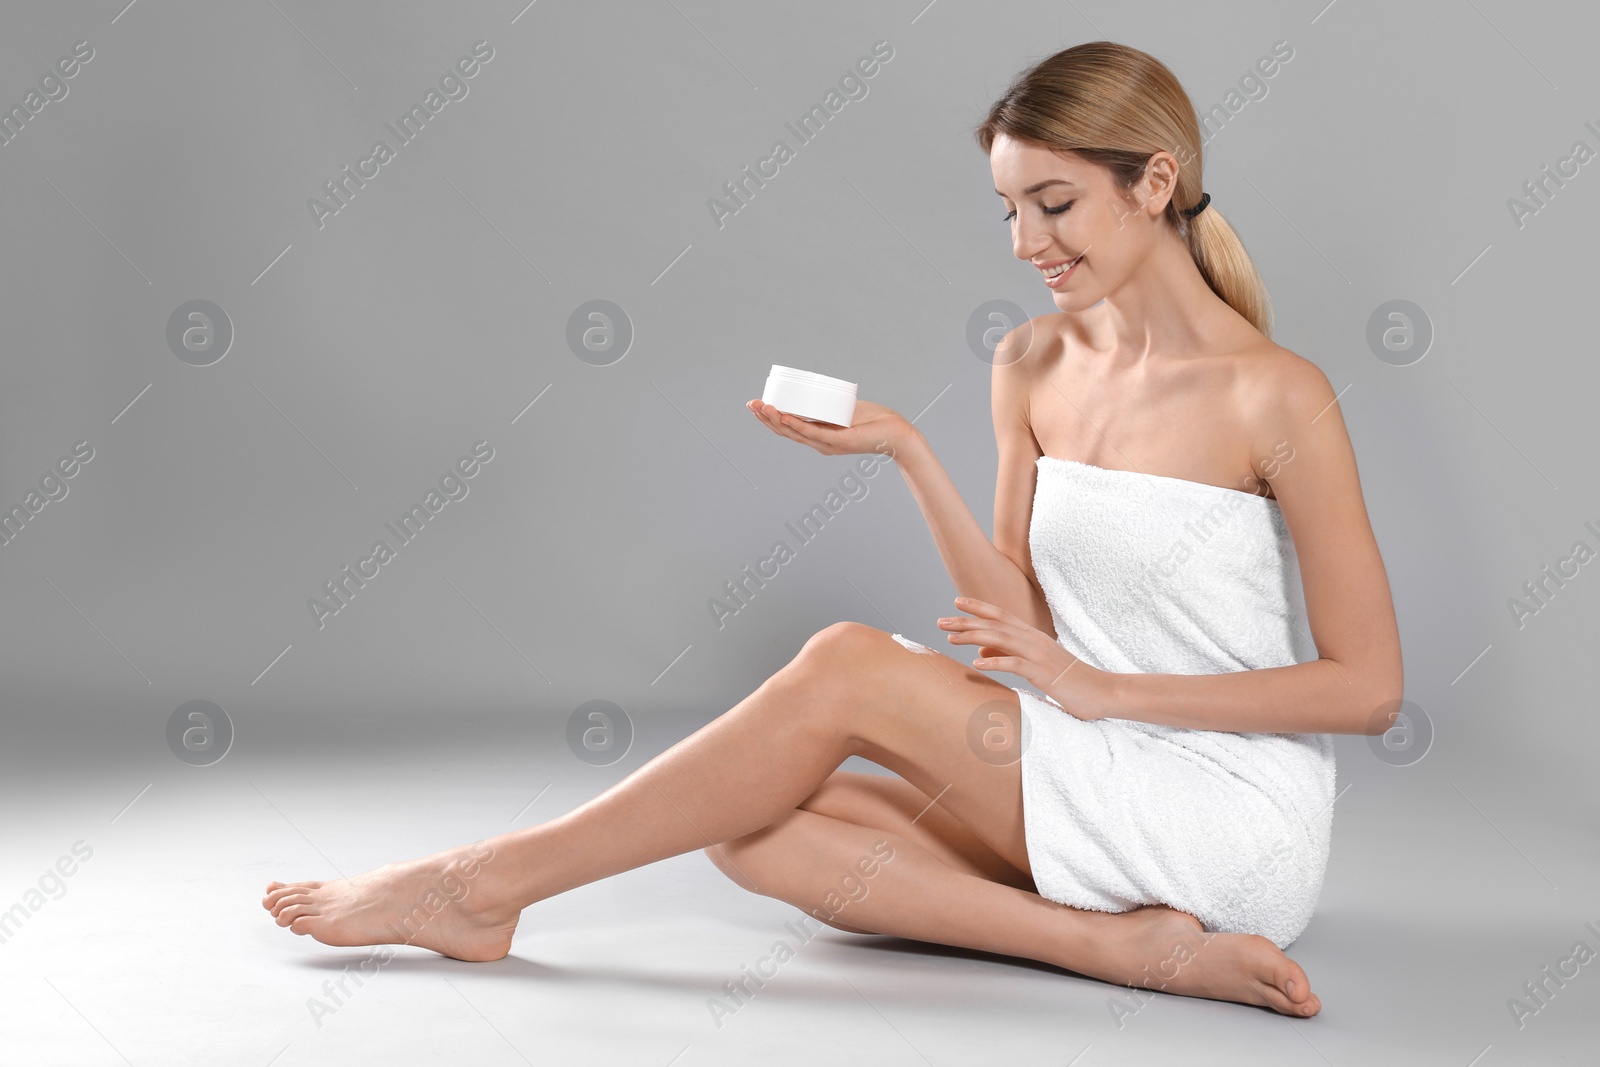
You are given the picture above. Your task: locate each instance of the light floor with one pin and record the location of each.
(156, 951)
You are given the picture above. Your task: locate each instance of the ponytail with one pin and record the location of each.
(1116, 106)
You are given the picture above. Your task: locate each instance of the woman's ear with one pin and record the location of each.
(1160, 182)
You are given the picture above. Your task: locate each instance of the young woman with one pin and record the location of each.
(1174, 489)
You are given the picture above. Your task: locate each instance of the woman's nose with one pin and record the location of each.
(1025, 242)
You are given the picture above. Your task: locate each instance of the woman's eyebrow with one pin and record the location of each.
(1030, 190)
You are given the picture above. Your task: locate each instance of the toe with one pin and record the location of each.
(277, 896)
(1295, 989)
(288, 915)
(1271, 994)
(289, 899)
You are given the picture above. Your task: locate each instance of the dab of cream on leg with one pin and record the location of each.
(912, 645)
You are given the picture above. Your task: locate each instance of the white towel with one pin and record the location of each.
(1158, 575)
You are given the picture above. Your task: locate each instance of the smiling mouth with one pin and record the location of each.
(1056, 277)
(1055, 272)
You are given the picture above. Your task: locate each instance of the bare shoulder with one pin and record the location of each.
(1028, 347)
(1271, 375)
(1289, 409)
(1025, 353)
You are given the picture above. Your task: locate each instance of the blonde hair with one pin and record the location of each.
(1115, 106)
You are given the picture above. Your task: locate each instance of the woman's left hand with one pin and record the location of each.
(1006, 643)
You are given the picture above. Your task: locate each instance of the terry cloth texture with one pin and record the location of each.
(1158, 575)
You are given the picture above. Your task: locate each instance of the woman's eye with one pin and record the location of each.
(1008, 216)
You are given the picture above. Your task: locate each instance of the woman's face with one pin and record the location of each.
(1063, 209)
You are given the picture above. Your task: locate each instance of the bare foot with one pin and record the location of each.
(1162, 949)
(428, 902)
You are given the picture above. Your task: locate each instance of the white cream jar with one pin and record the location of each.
(810, 396)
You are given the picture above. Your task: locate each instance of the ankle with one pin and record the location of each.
(463, 877)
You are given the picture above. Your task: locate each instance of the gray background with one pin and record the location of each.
(428, 314)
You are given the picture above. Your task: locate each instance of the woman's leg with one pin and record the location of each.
(866, 854)
(852, 690)
(873, 881)
(889, 802)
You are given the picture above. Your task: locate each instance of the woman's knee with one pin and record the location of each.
(836, 790)
(724, 857)
(749, 859)
(836, 665)
(840, 642)
(836, 924)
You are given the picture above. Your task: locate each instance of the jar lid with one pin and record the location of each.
(821, 381)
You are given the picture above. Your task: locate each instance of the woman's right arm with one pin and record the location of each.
(1000, 575)
(999, 571)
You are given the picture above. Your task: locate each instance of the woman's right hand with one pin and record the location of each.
(874, 428)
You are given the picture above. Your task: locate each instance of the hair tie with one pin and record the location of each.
(1205, 198)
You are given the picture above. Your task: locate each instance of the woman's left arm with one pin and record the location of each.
(1357, 679)
(1356, 682)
